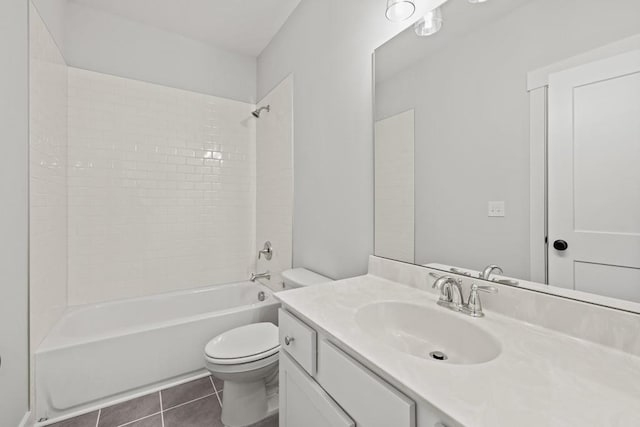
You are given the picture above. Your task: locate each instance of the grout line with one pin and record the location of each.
(161, 408)
(191, 401)
(216, 390)
(139, 419)
(98, 419)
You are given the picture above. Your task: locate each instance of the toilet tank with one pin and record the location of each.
(301, 277)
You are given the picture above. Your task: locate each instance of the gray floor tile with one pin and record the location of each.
(218, 383)
(201, 413)
(186, 392)
(152, 421)
(269, 422)
(86, 420)
(131, 410)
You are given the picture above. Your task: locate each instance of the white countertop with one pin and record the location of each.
(541, 378)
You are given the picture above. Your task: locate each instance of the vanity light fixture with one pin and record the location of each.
(429, 24)
(400, 10)
(477, 1)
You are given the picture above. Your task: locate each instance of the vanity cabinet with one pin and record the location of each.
(359, 390)
(303, 403)
(321, 385)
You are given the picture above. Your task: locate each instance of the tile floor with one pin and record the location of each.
(193, 404)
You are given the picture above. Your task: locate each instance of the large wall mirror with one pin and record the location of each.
(511, 137)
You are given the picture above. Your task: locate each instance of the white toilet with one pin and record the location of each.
(246, 359)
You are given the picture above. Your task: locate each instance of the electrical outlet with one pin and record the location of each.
(496, 209)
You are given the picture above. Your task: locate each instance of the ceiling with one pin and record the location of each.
(460, 19)
(241, 26)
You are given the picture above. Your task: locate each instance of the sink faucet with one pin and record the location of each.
(256, 276)
(450, 292)
(451, 296)
(474, 306)
(489, 270)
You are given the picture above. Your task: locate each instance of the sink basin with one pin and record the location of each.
(428, 333)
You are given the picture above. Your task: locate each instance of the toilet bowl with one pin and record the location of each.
(246, 359)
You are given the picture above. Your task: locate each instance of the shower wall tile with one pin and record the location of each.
(48, 182)
(274, 183)
(161, 188)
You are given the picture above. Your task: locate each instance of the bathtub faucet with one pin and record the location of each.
(256, 276)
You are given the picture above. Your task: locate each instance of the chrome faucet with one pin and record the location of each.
(474, 306)
(451, 296)
(450, 292)
(489, 270)
(256, 276)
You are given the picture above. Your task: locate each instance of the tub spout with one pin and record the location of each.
(256, 276)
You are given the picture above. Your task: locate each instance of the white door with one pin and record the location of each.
(594, 177)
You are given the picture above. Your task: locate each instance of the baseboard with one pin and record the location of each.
(26, 420)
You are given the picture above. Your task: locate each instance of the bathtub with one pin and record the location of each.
(101, 353)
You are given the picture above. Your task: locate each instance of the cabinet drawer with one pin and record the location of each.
(299, 340)
(303, 402)
(368, 399)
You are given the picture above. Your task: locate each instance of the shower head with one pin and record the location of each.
(256, 113)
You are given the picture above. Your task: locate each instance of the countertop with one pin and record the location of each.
(541, 377)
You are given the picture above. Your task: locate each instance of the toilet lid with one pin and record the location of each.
(250, 342)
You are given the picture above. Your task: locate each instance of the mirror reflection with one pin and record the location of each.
(510, 137)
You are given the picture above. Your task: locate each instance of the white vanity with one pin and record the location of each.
(360, 352)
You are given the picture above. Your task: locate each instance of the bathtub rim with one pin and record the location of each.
(46, 345)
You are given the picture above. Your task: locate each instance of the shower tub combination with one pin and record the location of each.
(101, 353)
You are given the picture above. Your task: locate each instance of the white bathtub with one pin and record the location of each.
(103, 352)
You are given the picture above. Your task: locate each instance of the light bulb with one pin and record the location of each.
(429, 24)
(400, 10)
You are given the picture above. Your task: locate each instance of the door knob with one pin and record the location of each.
(560, 245)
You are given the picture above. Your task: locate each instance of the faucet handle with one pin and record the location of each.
(482, 288)
(474, 305)
(267, 251)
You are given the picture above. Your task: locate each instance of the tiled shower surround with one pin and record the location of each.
(161, 188)
(48, 180)
(274, 184)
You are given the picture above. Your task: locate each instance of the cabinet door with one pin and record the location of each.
(371, 401)
(303, 403)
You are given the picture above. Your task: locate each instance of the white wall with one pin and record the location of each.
(161, 188)
(95, 40)
(48, 181)
(14, 203)
(327, 45)
(472, 126)
(274, 180)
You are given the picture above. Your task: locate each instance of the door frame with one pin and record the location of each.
(538, 87)
(14, 214)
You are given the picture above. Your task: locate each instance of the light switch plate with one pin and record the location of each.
(496, 209)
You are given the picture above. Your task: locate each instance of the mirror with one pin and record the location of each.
(516, 124)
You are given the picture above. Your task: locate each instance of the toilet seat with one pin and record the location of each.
(244, 345)
(241, 368)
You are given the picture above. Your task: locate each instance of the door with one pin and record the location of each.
(594, 177)
(303, 402)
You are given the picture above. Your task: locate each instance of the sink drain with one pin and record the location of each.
(438, 355)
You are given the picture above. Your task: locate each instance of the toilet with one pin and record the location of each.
(246, 359)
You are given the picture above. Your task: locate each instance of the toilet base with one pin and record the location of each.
(247, 403)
